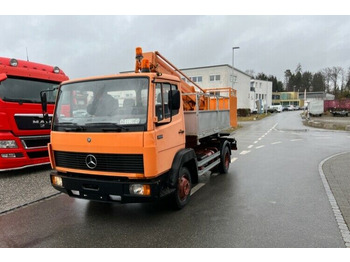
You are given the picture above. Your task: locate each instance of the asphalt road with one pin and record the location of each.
(272, 196)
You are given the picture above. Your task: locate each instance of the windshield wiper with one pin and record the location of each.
(75, 127)
(19, 100)
(109, 127)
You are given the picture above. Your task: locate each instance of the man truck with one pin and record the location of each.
(23, 132)
(139, 136)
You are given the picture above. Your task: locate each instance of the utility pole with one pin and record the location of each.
(233, 54)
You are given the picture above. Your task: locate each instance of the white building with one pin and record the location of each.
(249, 94)
(260, 95)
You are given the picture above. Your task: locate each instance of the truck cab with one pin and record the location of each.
(24, 135)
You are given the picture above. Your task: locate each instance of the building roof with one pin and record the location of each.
(205, 67)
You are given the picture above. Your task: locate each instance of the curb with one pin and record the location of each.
(344, 230)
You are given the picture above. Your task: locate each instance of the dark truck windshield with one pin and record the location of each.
(108, 105)
(26, 90)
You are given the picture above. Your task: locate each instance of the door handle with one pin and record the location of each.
(181, 131)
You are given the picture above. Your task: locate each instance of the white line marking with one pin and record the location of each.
(249, 147)
(233, 159)
(196, 188)
(255, 142)
(275, 143)
(344, 229)
(259, 146)
(293, 140)
(244, 152)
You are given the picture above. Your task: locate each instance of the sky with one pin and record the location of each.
(102, 42)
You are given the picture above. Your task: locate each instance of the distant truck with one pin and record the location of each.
(140, 136)
(24, 135)
(316, 107)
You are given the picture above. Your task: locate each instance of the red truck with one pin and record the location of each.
(24, 135)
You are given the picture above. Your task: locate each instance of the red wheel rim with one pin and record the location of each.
(184, 187)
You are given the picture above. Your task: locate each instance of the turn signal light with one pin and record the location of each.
(145, 66)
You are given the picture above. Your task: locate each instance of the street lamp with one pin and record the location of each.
(233, 52)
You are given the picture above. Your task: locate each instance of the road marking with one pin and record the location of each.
(196, 188)
(293, 140)
(344, 229)
(249, 147)
(255, 142)
(275, 143)
(233, 159)
(244, 152)
(259, 146)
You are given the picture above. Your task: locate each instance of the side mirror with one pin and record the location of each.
(3, 77)
(43, 98)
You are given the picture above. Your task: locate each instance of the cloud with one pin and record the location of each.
(97, 45)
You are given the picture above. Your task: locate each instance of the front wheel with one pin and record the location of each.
(183, 189)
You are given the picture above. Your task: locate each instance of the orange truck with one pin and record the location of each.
(140, 136)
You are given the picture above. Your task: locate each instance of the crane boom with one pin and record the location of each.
(155, 62)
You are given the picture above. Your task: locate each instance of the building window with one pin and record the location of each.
(213, 78)
(197, 79)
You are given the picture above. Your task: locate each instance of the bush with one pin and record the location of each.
(243, 112)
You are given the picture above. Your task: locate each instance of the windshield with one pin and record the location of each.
(118, 104)
(25, 90)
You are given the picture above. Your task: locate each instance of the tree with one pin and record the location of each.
(326, 72)
(287, 76)
(306, 81)
(318, 82)
(298, 69)
(335, 71)
(261, 76)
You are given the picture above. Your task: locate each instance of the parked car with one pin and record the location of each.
(275, 108)
(290, 108)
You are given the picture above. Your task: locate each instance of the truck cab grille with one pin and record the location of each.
(123, 163)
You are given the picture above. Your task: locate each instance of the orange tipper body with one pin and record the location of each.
(23, 133)
(128, 137)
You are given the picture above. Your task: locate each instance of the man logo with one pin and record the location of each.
(91, 161)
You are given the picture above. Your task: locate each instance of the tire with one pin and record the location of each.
(225, 160)
(182, 193)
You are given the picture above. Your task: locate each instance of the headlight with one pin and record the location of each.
(8, 144)
(138, 189)
(56, 181)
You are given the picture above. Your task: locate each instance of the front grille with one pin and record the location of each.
(32, 122)
(38, 154)
(123, 163)
(32, 142)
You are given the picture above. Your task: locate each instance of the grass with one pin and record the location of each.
(254, 117)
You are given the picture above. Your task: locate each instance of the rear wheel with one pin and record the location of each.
(225, 160)
(183, 188)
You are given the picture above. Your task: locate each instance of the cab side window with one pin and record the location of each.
(163, 95)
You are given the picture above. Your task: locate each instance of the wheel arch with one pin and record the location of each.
(187, 158)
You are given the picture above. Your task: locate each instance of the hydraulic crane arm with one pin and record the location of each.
(155, 62)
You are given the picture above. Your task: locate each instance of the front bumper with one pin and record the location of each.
(107, 189)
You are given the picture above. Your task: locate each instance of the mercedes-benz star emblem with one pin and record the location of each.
(91, 161)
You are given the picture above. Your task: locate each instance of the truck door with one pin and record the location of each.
(170, 128)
